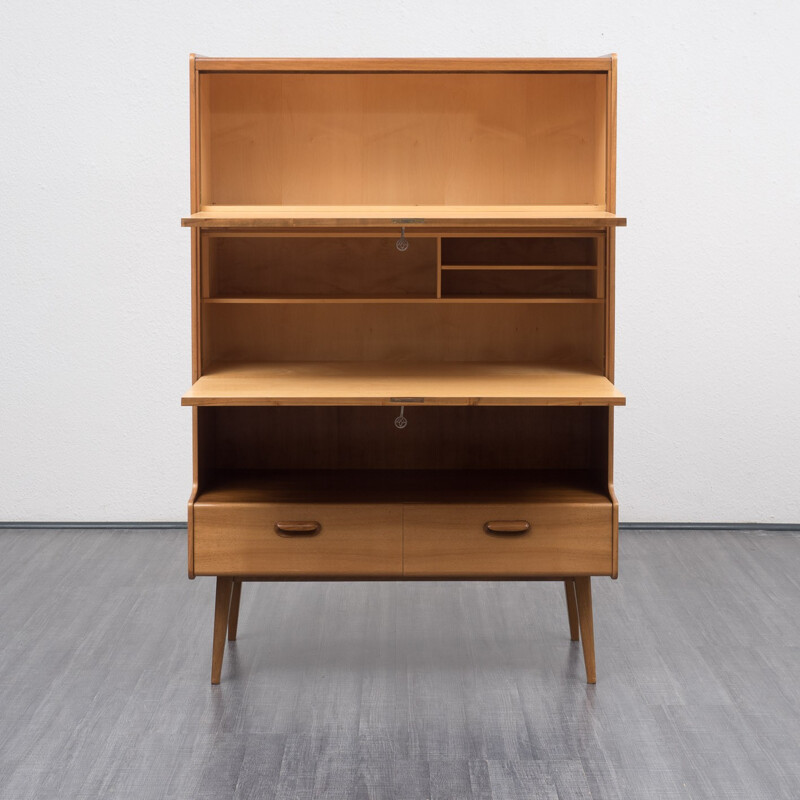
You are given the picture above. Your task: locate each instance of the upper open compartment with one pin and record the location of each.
(371, 143)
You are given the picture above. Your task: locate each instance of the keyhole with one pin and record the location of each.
(400, 422)
(402, 243)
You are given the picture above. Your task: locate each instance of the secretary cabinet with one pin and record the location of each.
(403, 324)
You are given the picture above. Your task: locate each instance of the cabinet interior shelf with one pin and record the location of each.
(411, 217)
(404, 486)
(400, 383)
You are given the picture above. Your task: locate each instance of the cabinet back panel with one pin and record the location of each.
(403, 138)
(558, 333)
(461, 437)
(321, 267)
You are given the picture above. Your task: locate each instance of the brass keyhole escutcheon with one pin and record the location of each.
(402, 243)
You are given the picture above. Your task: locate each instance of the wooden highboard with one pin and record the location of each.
(403, 324)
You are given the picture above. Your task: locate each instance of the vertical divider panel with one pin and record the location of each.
(438, 267)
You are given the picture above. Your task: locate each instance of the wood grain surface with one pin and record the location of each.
(414, 216)
(241, 539)
(563, 539)
(397, 383)
(412, 140)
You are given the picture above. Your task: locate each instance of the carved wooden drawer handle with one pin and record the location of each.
(297, 528)
(507, 527)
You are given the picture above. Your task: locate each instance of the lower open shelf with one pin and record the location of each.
(404, 486)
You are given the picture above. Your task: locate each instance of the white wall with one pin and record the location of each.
(94, 304)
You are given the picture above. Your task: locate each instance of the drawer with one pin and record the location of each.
(316, 540)
(546, 539)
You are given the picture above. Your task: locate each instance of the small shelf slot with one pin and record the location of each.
(531, 267)
(504, 283)
(519, 252)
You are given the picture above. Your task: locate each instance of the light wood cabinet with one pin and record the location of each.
(403, 323)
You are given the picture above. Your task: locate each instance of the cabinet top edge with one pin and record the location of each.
(213, 64)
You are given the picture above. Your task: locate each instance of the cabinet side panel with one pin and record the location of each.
(194, 136)
(610, 280)
(613, 495)
(202, 140)
(204, 464)
(194, 191)
(603, 447)
(601, 138)
(611, 138)
(611, 205)
(193, 496)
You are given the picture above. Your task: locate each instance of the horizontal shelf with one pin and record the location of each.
(467, 267)
(492, 298)
(403, 486)
(393, 216)
(485, 299)
(400, 383)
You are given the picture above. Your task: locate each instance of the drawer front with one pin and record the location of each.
(508, 540)
(314, 540)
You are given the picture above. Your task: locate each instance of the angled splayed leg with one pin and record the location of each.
(572, 608)
(583, 587)
(221, 611)
(233, 617)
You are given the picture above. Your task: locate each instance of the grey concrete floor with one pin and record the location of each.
(398, 690)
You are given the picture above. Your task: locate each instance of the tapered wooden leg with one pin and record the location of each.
(233, 617)
(221, 611)
(572, 608)
(583, 588)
